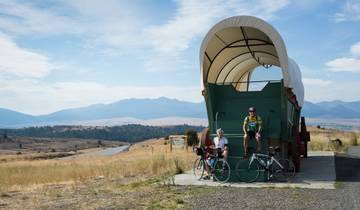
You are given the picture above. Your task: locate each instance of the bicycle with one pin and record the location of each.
(248, 170)
(218, 167)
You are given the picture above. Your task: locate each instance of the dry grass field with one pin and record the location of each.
(145, 160)
(332, 139)
(128, 179)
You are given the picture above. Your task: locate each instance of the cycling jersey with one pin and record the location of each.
(252, 123)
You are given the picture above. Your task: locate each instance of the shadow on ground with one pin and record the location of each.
(347, 168)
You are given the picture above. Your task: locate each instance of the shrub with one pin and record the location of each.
(192, 137)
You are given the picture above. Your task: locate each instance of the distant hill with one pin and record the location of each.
(148, 111)
(136, 108)
(9, 117)
(332, 109)
(140, 111)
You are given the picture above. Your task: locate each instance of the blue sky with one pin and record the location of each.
(70, 53)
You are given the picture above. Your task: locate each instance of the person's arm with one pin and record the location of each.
(245, 125)
(215, 142)
(260, 124)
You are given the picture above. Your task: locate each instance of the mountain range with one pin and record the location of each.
(145, 111)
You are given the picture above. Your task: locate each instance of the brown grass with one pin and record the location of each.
(322, 139)
(144, 160)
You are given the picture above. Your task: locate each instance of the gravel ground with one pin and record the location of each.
(106, 194)
(346, 196)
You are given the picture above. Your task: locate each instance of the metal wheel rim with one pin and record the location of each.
(241, 172)
(223, 170)
(198, 168)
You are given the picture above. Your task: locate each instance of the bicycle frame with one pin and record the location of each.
(256, 156)
(267, 164)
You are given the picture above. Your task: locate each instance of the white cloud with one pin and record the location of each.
(344, 64)
(316, 82)
(355, 49)
(317, 90)
(194, 18)
(347, 64)
(45, 98)
(350, 11)
(23, 18)
(191, 20)
(113, 24)
(17, 61)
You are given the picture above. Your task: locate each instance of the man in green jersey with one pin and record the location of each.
(252, 129)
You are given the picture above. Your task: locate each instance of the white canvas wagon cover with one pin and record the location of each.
(234, 47)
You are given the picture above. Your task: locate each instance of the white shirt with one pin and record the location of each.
(220, 143)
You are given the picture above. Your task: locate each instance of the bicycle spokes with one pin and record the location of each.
(247, 172)
(282, 170)
(222, 171)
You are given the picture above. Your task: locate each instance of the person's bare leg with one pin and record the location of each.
(207, 168)
(225, 154)
(258, 143)
(246, 140)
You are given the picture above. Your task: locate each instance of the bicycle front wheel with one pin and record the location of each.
(283, 172)
(222, 170)
(199, 168)
(245, 172)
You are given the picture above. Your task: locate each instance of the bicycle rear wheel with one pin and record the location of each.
(199, 168)
(222, 170)
(245, 172)
(283, 172)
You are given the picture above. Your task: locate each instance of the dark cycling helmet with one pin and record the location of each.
(252, 109)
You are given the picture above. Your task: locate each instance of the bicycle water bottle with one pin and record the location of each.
(268, 163)
(262, 162)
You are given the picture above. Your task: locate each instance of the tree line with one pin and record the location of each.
(129, 133)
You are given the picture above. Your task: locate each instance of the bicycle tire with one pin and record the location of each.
(285, 173)
(199, 168)
(247, 173)
(222, 170)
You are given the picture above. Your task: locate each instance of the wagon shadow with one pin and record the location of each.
(316, 168)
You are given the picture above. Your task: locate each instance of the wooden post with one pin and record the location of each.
(170, 139)
(186, 143)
